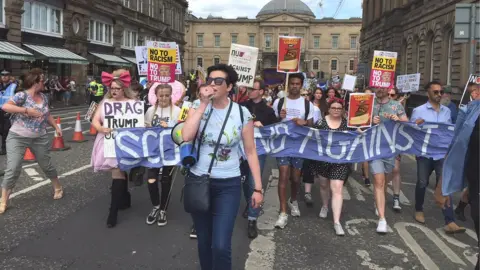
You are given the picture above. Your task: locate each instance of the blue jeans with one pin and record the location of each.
(425, 167)
(249, 186)
(215, 228)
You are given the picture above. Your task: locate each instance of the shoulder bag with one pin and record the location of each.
(196, 191)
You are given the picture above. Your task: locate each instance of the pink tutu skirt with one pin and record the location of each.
(99, 162)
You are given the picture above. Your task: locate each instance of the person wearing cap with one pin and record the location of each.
(4, 116)
(447, 101)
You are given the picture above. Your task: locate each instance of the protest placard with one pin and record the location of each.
(91, 111)
(408, 83)
(141, 56)
(120, 114)
(383, 69)
(178, 65)
(161, 64)
(360, 110)
(288, 57)
(244, 60)
(349, 82)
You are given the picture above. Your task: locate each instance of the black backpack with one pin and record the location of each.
(307, 107)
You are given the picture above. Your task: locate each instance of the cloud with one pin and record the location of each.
(250, 8)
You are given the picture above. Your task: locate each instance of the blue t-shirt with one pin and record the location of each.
(227, 164)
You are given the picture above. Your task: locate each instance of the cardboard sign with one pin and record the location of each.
(383, 69)
(120, 114)
(141, 56)
(408, 83)
(184, 112)
(360, 110)
(349, 82)
(178, 65)
(244, 60)
(161, 64)
(288, 58)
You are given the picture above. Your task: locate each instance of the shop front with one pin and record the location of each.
(10, 54)
(105, 62)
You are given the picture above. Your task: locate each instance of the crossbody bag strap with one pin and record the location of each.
(217, 145)
(202, 134)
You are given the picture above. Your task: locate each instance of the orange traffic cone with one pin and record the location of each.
(93, 131)
(29, 156)
(57, 144)
(78, 134)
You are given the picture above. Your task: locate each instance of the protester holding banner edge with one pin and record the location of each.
(384, 109)
(222, 179)
(118, 84)
(165, 114)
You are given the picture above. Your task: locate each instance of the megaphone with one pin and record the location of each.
(188, 154)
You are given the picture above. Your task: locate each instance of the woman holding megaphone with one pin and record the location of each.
(163, 114)
(212, 190)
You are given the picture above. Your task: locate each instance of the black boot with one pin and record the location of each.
(116, 196)
(126, 200)
(252, 229)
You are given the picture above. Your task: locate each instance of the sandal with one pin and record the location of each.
(3, 207)
(58, 194)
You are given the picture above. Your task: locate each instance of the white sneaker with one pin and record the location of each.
(323, 212)
(294, 210)
(281, 221)
(382, 226)
(396, 205)
(338, 229)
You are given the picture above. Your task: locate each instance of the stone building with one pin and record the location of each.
(422, 34)
(329, 45)
(81, 38)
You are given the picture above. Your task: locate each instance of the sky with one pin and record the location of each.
(250, 8)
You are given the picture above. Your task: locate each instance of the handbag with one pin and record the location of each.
(196, 191)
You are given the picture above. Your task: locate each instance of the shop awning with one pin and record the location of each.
(111, 60)
(58, 55)
(10, 51)
(132, 60)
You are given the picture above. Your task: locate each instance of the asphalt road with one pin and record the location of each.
(40, 233)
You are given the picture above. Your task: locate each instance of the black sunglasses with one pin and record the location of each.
(216, 81)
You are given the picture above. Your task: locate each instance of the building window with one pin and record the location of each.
(268, 40)
(217, 41)
(42, 18)
(126, 3)
(234, 39)
(150, 8)
(216, 60)
(199, 40)
(449, 58)
(334, 42)
(333, 65)
(100, 32)
(199, 61)
(130, 39)
(432, 57)
(353, 42)
(351, 65)
(2, 13)
(139, 5)
(315, 64)
(417, 56)
(316, 42)
(251, 40)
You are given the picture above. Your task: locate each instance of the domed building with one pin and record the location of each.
(329, 46)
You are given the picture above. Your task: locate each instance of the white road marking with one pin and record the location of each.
(29, 165)
(367, 261)
(46, 182)
(402, 197)
(393, 249)
(346, 194)
(352, 229)
(358, 189)
(424, 259)
(33, 174)
(262, 248)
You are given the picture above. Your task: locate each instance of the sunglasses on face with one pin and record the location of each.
(438, 92)
(216, 81)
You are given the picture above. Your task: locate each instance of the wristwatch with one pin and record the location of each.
(258, 191)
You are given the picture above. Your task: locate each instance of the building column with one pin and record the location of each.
(13, 18)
